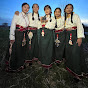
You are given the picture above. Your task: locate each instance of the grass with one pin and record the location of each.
(4, 40)
(34, 76)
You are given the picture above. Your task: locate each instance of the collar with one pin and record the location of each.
(47, 16)
(23, 14)
(35, 14)
(69, 15)
(59, 17)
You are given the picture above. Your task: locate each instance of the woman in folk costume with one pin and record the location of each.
(32, 39)
(74, 35)
(34, 24)
(46, 39)
(18, 36)
(59, 36)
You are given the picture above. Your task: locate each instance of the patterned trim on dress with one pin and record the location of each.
(73, 73)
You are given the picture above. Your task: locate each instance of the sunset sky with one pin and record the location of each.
(8, 7)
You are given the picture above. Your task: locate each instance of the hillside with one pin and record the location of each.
(34, 76)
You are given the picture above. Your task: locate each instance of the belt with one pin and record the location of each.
(61, 30)
(21, 28)
(32, 28)
(72, 28)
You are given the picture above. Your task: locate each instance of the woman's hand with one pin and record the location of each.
(46, 21)
(41, 20)
(79, 41)
(12, 41)
(17, 13)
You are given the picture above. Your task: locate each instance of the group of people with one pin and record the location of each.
(46, 39)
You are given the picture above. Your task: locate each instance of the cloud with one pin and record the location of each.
(84, 21)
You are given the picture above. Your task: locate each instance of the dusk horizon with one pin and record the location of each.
(8, 8)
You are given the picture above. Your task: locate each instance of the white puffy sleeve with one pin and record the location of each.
(39, 24)
(80, 29)
(13, 27)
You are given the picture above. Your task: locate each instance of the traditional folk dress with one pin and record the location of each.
(73, 32)
(46, 42)
(59, 40)
(32, 45)
(16, 56)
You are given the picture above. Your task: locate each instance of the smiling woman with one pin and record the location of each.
(46, 39)
(74, 36)
(15, 57)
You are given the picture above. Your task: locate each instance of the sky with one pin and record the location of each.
(8, 8)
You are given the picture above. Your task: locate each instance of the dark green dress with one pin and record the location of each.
(32, 49)
(59, 46)
(16, 60)
(46, 42)
(72, 53)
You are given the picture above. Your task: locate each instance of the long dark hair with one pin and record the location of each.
(55, 16)
(47, 6)
(33, 12)
(71, 12)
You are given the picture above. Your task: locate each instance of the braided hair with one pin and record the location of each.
(33, 12)
(56, 23)
(71, 12)
(47, 6)
(33, 15)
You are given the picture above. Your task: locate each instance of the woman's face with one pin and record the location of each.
(47, 11)
(69, 9)
(25, 8)
(35, 8)
(57, 13)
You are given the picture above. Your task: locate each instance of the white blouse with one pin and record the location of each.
(50, 25)
(35, 22)
(22, 20)
(76, 22)
(60, 23)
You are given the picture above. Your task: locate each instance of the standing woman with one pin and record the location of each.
(59, 36)
(46, 38)
(18, 44)
(74, 35)
(34, 24)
